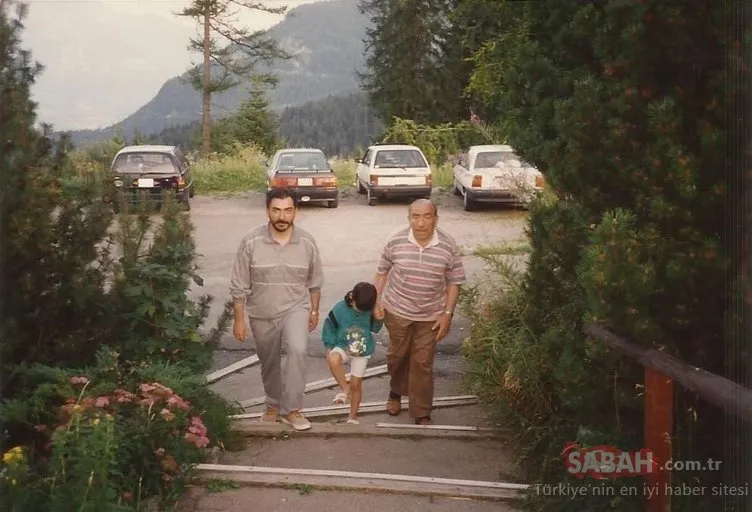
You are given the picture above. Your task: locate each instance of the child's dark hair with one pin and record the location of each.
(362, 296)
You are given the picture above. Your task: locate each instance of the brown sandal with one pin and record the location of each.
(393, 406)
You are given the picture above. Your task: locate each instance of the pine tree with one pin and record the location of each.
(414, 70)
(50, 226)
(254, 123)
(622, 106)
(230, 52)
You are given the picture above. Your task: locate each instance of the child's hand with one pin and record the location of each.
(378, 312)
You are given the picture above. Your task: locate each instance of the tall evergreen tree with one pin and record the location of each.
(229, 51)
(624, 106)
(254, 123)
(50, 227)
(413, 68)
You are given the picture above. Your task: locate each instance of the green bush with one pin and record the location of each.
(241, 170)
(597, 97)
(101, 442)
(96, 324)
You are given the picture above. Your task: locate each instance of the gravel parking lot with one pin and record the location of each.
(350, 239)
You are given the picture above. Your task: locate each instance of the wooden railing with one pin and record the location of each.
(661, 370)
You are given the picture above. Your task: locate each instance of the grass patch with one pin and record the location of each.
(228, 174)
(443, 175)
(503, 249)
(345, 171)
(245, 170)
(215, 485)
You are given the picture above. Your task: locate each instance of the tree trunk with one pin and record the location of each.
(205, 88)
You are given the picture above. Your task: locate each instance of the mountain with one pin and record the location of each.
(339, 125)
(327, 40)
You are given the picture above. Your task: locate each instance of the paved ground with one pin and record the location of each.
(350, 239)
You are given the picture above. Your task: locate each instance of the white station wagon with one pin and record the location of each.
(393, 170)
(495, 174)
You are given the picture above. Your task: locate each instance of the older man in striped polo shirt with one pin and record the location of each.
(418, 281)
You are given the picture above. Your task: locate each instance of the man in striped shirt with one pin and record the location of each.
(418, 282)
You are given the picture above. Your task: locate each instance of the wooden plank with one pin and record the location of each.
(729, 396)
(319, 384)
(392, 483)
(659, 422)
(252, 427)
(366, 407)
(239, 365)
(464, 428)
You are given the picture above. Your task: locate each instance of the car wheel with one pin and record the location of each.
(333, 204)
(371, 198)
(457, 191)
(186, 205)
(359, 187)
(468, 203)
(192, 191)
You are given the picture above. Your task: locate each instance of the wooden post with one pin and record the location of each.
(659, 418)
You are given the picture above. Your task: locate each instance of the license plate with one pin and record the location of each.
(305, 182)
(145, 182)
(402, 180)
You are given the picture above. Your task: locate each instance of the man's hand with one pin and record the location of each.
(240, 330)
(442, 325)
(313, 320)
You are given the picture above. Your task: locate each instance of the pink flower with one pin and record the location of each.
(146, 402)
(122, 396)
(147, 388)
(197, 426)
(79, 380)
(176, 401)
(166, 415)
(102, 401)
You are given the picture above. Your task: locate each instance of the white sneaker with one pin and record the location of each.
(296, 420)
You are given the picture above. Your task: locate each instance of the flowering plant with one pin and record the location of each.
(106, 447)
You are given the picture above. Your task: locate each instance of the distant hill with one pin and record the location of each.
(338, 125)
(327, 38)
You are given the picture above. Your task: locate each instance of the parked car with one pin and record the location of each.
(306, 172)
(393, 170)
(495, 174)
(155, 171)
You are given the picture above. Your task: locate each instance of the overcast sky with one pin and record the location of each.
(104, 59)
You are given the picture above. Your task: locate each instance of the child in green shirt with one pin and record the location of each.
(347, 334)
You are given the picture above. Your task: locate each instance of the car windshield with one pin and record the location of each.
(144, 162)
(489, 159)
(302, 162)
(388, 158)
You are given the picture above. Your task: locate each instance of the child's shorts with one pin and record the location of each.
(357, 364)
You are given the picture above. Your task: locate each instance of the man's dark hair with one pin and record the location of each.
(280, 193)
(362, 296)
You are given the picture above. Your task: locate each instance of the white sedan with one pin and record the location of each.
(495, 174)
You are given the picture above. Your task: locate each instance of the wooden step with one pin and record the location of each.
(319, 384)
(347, 480)
(394, 430)
(367, 407)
